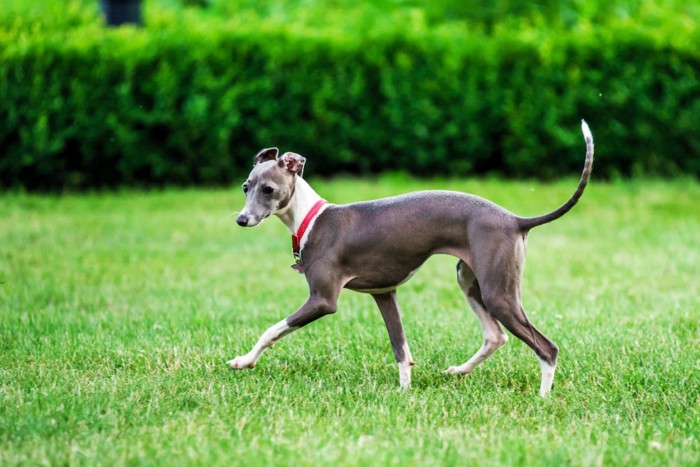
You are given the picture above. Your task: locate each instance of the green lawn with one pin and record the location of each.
(119, 311)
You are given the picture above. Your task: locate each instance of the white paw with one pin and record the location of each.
(456, 370)
(241, 363)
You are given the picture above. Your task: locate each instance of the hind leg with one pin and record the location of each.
(499, 277)
(512, 316)
(506, 308)
(494, 337)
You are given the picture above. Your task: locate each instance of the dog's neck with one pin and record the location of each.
(303, 199)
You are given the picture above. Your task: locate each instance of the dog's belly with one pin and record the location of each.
(366, 285)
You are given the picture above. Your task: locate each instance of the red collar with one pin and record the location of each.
(296, 238)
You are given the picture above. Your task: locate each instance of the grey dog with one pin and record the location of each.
(373, 247)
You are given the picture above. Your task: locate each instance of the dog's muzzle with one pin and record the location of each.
(242, 220)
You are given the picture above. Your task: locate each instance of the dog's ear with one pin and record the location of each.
(293, 162)
(268, 154)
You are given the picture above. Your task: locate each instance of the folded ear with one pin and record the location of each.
(266, 155)
(293, 162)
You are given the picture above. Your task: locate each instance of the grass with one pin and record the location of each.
(118, 311)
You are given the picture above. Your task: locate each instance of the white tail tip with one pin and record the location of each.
(586, 131)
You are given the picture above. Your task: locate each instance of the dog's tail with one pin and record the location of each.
(526, 224)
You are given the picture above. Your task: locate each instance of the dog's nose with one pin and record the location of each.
(242, 220)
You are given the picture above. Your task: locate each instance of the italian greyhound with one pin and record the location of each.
(373, 247)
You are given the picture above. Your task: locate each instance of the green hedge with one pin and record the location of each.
(190, 98)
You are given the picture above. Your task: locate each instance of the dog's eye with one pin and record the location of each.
(245, 189)
(268, 190)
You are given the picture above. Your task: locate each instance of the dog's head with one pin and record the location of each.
(270, 185)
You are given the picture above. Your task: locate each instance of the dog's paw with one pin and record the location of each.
(456, 370)
(241, 363)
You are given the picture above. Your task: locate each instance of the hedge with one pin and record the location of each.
(190, 98)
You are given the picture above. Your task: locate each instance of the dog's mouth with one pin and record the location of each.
(246, 221)
(250, 221)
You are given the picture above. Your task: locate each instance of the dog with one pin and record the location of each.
(375, 246)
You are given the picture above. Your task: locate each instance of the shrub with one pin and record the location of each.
(190, 98)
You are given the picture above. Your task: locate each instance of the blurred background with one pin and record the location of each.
(192, 89)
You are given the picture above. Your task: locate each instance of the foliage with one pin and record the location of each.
(118, 311)
(384, 85)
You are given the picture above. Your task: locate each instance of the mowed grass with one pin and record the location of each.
(119, 311)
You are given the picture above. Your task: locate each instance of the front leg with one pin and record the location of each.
(314, 308)
(268, 339)
(389, 307)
